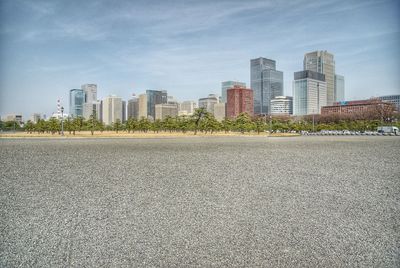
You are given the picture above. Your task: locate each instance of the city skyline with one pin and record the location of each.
(49, 48)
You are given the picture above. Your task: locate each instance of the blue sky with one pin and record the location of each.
(186, 47)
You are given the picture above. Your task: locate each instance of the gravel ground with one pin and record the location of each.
(209, 202)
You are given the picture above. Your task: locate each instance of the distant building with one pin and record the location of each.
(123, 111)
(187, 107)
(323, 62)
(142, 106)
(155, 97)
(112, 109)
(13, 117)
(240, 100)
(90, 91)
(133, 108)
(356, 107)
(208, 103)
(266, 83)
(282, 105)
(76, 101)
(395, 99)
(339, 88)
(97, 109)
(165, 109)
(220, 111)
(309, 92)
(227, 85)
(35, 117)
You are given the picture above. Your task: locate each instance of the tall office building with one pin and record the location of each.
(187, 107)
(208, 103)
(123, 111)
(90, 91)
(394, 99)
(35, 117)
(155, 97)
(227, 85)
(282, 105)
(220, 111)
(240, 100)
(339, 88)
(112, 109)
(309, 92)
(266, 83)
(97, 108)
(142, 106)
(323, 62)
(76, 101)
(133, 108)
(165, 109)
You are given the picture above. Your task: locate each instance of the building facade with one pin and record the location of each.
(240, 100)
(227, 85)
(282, 105)
(323, 62)
(357, 107)
(133, 108)
(220, 111)
(76, 101)
(13, 117)
(112, 109)
(90, 91)
(309, 92)
(35, 117)
(339, 88)
(394, 99)
(142, 106)
(187, 107)
(165, 109)
(208, 103)
(266, 83)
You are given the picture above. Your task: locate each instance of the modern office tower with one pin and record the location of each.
(123, 111)
(142, 106)
(13, 117)
(220, 111)
(90, 91)
(227, 85)
(35, 117)
(394, 99)
(266, 83)
(309, 92)
(208, 102)
(76, 101)
(282, 105)
(96, 108)
(163, 110)
(112, 109)
(323, 62)
(187, 107)
(339, 88)
(155, 97)
(133, 108)
(240, 100)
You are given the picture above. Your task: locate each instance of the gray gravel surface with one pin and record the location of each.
(204, 202)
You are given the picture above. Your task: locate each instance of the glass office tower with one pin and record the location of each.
(266, 83)
(339, 87)
(155, 97)
(76, 101)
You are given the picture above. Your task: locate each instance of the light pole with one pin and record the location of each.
(62, 121)
(270, 124)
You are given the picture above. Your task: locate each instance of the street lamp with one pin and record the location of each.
(62, 121)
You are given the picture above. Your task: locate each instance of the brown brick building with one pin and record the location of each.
(239, 100)
(356, 107)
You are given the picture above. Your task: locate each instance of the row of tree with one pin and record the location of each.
(205, 122)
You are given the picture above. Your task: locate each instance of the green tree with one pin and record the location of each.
(93, 123)
(53, 125)
(117, 125)
(144, 124)
(29, 127)
(243, 123)
(197, 118)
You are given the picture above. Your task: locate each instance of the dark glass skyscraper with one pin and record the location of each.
(76, 101)
(155, 97)
(266, 83)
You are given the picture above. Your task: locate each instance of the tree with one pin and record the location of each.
(144, 124)
(243, 123)
(29, 127)
(197, 117)
(93, 123)
(53, 125)
(259, 124)
(117, 125)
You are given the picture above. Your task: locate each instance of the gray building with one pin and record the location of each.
(133, 108)
(35, 117)
(227, 85)
(123, 111)
(208, 103)
(187, 107)
(165, 109)
(155, 97)
(323, 62)
(395, 99)
(76, 101)
(309, 92)
(266, 83)
(339, 88)
(90, 91)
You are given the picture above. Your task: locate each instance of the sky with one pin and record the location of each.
(186, 47)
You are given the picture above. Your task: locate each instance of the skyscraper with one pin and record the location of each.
(220, 111)
(142, 106)
(339, 87)
(90, 91)
(187, 107)
(208, 103)
(266, 83)
(76, 101)
(227, 85)
(155, 97)
(309, 92)
(133, 108)
(323, 62)
(112, 109)
(123, 111)
(165, 109)
(240, 100)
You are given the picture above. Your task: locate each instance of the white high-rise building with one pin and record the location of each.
(142, 106)
(187, 107)
(220, 111)
(282, 105)
(90, 91)
(309, 92)
(112, 109)
(209, 102)
(323, 62)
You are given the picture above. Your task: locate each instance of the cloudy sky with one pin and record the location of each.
(186, 47)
